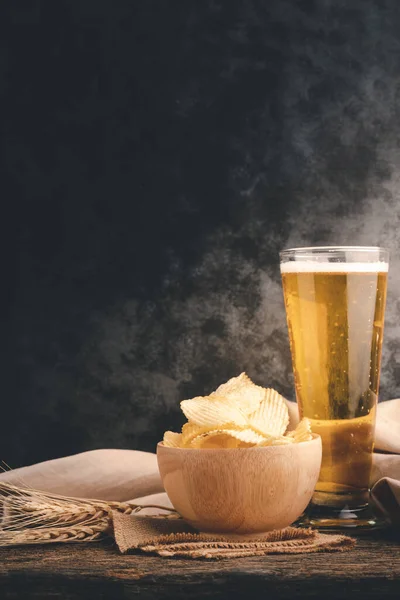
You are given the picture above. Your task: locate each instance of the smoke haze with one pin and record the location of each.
(156, 178)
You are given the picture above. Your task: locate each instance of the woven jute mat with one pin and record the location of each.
(172, 537)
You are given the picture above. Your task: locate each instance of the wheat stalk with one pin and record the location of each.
(80, 533)
(30, 516)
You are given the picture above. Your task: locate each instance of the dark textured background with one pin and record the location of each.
(155, 157)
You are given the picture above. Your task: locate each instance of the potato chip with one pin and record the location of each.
(302, 433)
(246, 436)
(190, 431)
(242, 391)
(220, 411)
(214, 439)
(272, 416)
(172, 439)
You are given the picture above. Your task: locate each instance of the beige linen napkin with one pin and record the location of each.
(103, 474)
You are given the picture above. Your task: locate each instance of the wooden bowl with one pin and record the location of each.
(241, 491)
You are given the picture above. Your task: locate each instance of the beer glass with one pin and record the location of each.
(335, 305)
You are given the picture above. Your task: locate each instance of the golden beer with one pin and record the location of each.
(335, 313)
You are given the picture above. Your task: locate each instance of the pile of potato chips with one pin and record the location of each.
(239, 414)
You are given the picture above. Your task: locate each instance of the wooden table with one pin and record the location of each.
(98, 571)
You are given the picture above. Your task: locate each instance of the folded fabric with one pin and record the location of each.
(103, 474)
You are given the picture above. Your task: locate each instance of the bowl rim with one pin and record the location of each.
(315, 437)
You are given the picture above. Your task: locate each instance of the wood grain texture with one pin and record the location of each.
(73, 572)
(241, 491)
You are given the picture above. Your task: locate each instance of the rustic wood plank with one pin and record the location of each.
(73, 572)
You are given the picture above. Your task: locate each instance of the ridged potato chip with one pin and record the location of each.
(214, 439)
(272, 416)
(212, 414)
(172, 439)
(190, 431)
(241, 390)
(236, 436)
(302, 433)
(247, 436)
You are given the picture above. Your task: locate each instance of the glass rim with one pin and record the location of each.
(336, 249)
(319, 251)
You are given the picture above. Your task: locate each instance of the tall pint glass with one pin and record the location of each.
(335, 305)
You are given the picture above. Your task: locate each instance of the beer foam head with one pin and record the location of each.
(309, 266)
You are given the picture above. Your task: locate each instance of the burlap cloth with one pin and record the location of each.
(173, 537)
(131, 475)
